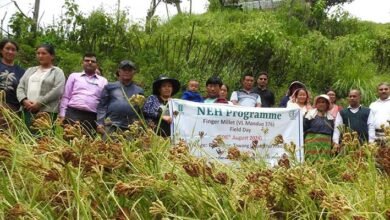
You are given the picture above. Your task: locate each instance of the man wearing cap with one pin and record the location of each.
(381, 110)
(245, 96)
(114, 111)
(82, 95)
(357, 118)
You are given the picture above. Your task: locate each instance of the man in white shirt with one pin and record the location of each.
(356, 118)
(245, 96)
(381, 110)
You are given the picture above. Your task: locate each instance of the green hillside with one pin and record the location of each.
(291, 43)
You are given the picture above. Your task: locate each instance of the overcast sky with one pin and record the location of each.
(372, 10)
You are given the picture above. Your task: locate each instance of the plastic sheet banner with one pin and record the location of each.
(261, 133)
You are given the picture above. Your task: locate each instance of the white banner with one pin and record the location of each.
(261, 132)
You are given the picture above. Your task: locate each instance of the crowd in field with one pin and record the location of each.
(103, 107)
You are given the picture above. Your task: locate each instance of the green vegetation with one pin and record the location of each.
(291, 43)
(61, 174)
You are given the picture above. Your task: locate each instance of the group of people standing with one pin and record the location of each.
(85, 97)
(38, 88)
(99, 106)
(324, 121)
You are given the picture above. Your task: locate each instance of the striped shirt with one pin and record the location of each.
(246, 98)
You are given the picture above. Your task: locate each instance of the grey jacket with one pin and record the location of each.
(51, 89)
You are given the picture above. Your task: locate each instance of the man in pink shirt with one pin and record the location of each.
(82, 95)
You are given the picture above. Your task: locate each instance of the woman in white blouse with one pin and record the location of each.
(300, 99)
(41, 87)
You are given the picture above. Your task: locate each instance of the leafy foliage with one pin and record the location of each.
(146, 177)
(295, 42)
(330, 3)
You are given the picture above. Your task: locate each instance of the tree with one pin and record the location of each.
(34, 26)
(176, 3)
(21, 26)
(215, 5)
(150, 13)
(313, 12)
(329, 3)
(36, 15)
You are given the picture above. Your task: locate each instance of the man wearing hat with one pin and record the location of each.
(156, 106)
(114, 111)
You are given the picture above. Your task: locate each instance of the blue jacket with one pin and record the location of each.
(192, 96)
(114, 104)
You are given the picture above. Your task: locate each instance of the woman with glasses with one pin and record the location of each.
(41, 87)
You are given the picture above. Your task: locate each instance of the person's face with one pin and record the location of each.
(193, 86)
(247, 82)
(166, 89)
(9, 52)
(126, 75)
(332, 96)
(44, 57)
(262, 81)
(223, 92)
(321, 105)
(90, 64)
(354, 98)
(301, 97)
(383, 92)
(212, 90)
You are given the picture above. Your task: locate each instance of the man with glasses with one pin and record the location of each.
(267, 97)
(82, 95)
(381, 111)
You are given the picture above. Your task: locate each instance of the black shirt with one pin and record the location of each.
(267, 97)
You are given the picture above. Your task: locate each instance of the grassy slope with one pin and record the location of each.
(339, 54)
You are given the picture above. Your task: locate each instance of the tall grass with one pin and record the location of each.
(147, 177)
